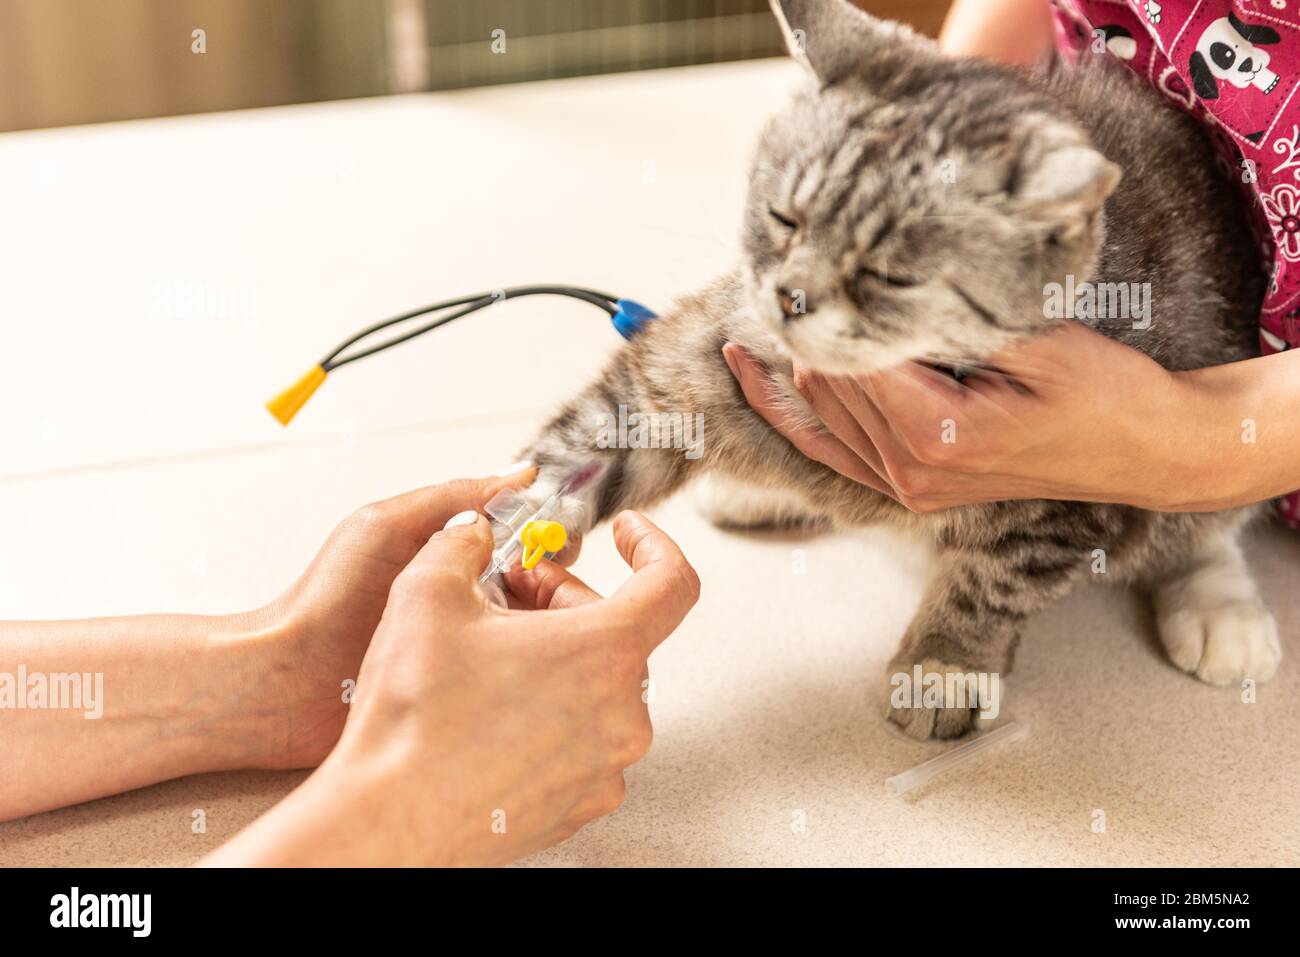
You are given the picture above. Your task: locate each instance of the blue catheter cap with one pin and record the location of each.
(631, 317)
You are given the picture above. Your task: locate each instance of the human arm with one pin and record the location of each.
(1016, 32)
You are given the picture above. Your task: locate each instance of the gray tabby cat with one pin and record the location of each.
(848, 207)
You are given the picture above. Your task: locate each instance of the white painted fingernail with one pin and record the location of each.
(517, 467)
(464, 518)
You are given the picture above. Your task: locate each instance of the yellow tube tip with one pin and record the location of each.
(540, 537)
(286, 405)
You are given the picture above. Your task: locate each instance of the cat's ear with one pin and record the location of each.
(833, 38)
(1065, 181)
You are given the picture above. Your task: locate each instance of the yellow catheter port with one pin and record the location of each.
(286, 405)
(539, 538)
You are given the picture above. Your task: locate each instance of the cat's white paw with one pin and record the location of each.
(1222, 644)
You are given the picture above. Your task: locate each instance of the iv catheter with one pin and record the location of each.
(530, 534)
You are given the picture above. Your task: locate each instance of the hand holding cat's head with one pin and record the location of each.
(907, 205)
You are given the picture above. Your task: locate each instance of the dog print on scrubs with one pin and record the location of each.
(1228, 51)
(1228, 60)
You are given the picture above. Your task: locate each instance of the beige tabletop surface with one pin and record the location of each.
(160, 279)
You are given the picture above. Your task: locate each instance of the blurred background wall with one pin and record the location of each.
(65, 62)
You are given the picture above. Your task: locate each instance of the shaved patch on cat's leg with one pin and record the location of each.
(1211, 619)
(742, 506)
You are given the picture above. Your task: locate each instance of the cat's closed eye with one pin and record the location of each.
(784, 220)
(884, 277)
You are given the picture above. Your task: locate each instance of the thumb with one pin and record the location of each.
(420, 513)
(663, 586)
(450, 562)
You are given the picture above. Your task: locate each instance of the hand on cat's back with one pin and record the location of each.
(1069, 414)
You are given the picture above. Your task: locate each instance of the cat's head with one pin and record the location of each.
(906, 205)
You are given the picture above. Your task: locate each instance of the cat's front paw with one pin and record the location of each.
(1222, 644)
(936, 699)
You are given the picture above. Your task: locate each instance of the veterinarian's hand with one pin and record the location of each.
(1067, 415)
(323, 623)
(478, 734)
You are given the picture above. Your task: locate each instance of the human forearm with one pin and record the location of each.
(336, 819)
(1018, 32)
(107, 705)
(1241, 432)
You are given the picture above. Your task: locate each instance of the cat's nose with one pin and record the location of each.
(794, 303)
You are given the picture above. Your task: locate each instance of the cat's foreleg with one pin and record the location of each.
(639, 453)
(949, 669)
(659, 414)
(667, 409)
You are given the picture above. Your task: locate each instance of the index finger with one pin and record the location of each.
(425, 511)
(909, 386)
(913, 401)
(1032, 358)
